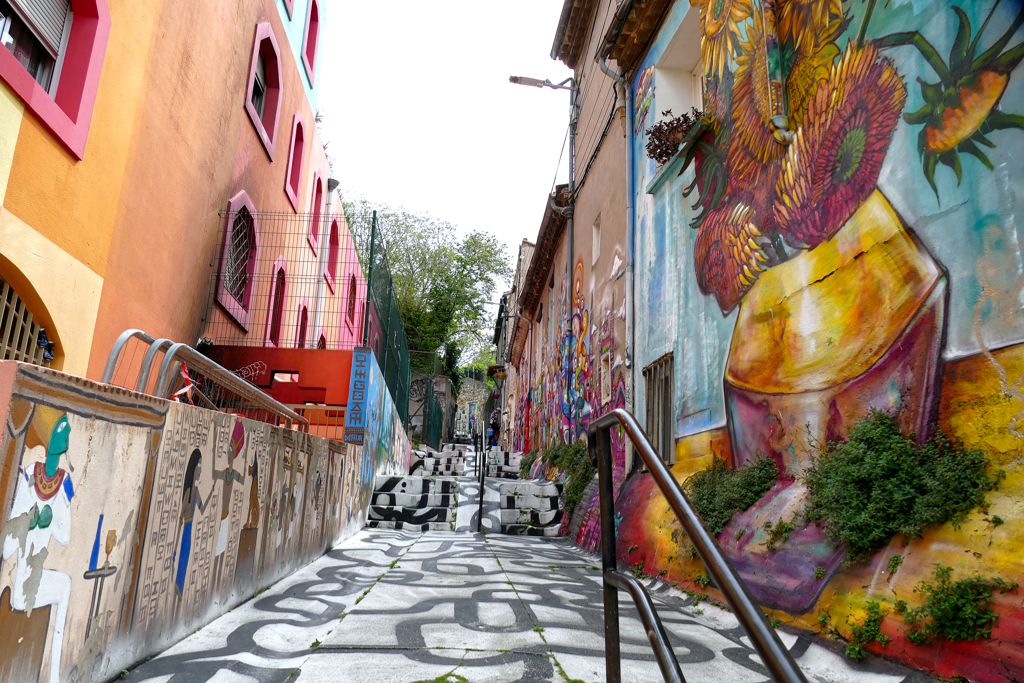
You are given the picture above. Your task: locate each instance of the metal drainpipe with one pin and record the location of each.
(332, 185)
(624, 92)
(570, 256)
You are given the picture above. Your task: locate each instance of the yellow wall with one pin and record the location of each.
(67, 292)
(11, 110)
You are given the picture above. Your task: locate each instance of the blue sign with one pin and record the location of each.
(355, 413)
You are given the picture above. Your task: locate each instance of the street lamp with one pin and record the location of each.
(567, 211)
(567, 84)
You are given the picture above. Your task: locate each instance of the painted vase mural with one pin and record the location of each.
(841, 308)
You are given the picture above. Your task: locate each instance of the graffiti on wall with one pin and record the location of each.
(872, 262)
(129, 521)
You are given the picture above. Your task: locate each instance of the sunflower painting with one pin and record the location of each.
(844, 98)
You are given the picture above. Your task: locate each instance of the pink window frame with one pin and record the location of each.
(303, 306)
(293, 193)
(333, 253)
(68, 115)
(239, 311)
(279, 265)
(265, 34)
(289, 6)
(315, 209)
(310, 65)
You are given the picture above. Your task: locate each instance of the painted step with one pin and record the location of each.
(530, 517)
(443, 460)
(527, 530)
(530, 487)
(529, 502)
(414, 485)
(413, 500)
(397, 513)
(505, 458)
(407, 526)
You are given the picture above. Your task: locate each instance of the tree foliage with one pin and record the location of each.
(442, 281)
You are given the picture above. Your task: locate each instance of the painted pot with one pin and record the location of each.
(855, 323)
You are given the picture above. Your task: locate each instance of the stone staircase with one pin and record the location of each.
(447, 463)
(503, 464)
(413, 503)
(530, 507)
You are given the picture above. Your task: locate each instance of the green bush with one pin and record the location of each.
(867, 632)
(953, 610)
(720, 491)
(526, 463)
(877, 483)
(577, 470)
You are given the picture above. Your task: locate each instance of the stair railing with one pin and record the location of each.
(174, 354)
(766, 642)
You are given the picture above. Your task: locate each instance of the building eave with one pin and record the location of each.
(548, 238)
(572, 31)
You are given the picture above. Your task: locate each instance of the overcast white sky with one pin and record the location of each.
(419, 112)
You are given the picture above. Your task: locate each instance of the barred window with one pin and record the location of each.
(659, 422)
(277, 309)
(240, 254)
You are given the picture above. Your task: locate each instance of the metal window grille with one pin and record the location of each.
(18, 331)
(275, 320)
(660, 423)
(259, 87)
(243, 241)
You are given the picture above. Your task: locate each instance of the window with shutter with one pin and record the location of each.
(35, 32)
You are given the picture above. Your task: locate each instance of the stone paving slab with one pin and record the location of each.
(392, 606)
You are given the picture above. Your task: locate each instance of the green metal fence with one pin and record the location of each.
(383, 330)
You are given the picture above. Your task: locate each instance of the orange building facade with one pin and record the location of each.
(127, 135)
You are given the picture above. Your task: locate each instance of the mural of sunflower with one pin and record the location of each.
(751, 106)
(728, 253)
(721, 20)
(960, 111)
(833, 164)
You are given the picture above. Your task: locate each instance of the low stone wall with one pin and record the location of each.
(129, 522)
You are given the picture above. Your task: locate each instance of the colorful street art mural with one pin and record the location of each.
(372, 420)
(866, 255)
(129, 522)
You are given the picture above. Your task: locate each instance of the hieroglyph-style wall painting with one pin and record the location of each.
(128, 522)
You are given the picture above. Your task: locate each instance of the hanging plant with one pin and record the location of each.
(665, 137)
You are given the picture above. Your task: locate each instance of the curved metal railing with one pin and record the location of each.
(176, 353)
(766, 642)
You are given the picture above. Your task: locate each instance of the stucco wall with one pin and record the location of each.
(155, 518)
(899, 295)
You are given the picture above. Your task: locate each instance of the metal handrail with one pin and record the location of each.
(115, 351)
(147, 362)
(224, 377)
(780, 663)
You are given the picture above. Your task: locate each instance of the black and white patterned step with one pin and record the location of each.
(408, 526)
(415, 500)
(395, 513)
(414, 485)
(503, 464)
(527, 530)
(531, 517)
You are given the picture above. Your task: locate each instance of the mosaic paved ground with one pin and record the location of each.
(400, 607)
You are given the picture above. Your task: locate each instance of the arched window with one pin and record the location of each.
(277, 308)
(21, 337)
(300, 341)
(314, 217)
(238, 258)
(312, 42)
(322, 344)
(352, 297)
(295, 159)
(332, 254)
(263, 97)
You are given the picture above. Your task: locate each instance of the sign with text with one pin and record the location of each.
(355, 414)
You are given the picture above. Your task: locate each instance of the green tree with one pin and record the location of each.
(442, 281)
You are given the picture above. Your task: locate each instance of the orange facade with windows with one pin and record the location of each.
(114, 182)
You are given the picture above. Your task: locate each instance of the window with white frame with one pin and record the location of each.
(36, 32)
(595, 249)
(678, 74)
(660, 423)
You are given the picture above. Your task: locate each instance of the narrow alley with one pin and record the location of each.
(387, 606)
